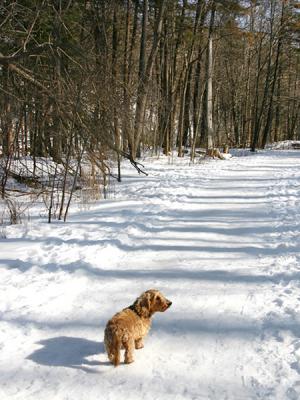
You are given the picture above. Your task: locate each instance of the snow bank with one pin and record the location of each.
(284, 145)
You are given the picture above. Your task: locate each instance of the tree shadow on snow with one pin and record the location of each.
(70, 352)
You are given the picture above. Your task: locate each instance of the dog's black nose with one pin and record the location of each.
(169, 304)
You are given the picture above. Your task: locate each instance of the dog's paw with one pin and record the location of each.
(128, 360)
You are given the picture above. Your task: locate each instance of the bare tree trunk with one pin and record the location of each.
(209, 74)
(52, 195)
(209, 112)
(181, 115)
(268, 124)
(255, 114)
(260, 109)
(144, 83)
(6, 120)
(74, 181)
(127, 70)
(117, 133)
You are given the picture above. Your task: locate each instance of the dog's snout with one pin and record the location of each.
(169, 303)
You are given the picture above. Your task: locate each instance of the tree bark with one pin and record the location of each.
(144, 83)
(209, 74)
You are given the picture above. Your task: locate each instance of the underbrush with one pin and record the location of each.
(42, 187)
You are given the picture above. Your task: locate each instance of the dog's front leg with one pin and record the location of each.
(139, 343)
(129, 349)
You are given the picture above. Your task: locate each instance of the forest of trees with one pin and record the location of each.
(112, 78)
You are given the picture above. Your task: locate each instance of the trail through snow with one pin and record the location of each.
(220, 239)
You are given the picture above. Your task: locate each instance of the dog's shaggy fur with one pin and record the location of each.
(127, 328)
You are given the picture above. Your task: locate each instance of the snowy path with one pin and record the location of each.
(221, 240)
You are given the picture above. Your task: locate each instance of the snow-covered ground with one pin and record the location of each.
(220, 239)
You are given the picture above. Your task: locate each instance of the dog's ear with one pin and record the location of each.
(146, 301)
(143, 305)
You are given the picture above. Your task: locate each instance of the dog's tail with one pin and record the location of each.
(113, 347)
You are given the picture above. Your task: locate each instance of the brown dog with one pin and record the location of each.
(127, 328)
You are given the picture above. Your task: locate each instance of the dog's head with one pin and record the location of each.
(150, 302)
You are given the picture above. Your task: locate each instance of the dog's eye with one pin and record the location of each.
(158, 300)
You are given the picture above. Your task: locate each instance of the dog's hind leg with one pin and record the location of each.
(129, 349)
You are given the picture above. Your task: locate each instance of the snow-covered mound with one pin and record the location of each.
(285, 145)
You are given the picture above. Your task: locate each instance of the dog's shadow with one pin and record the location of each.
(70, 352)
